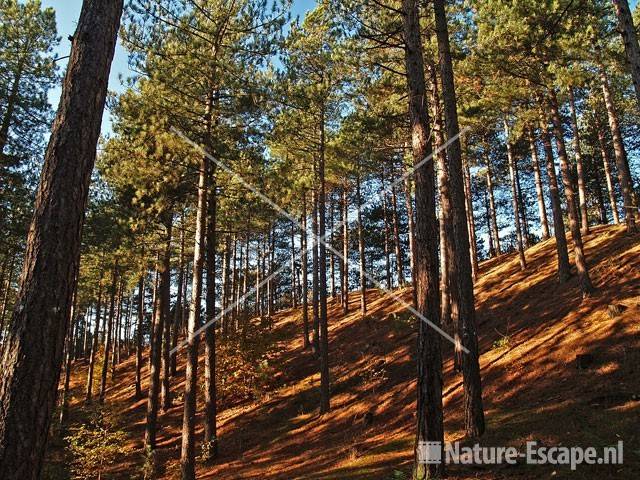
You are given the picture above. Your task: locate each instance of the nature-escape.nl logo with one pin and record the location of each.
(534, 454)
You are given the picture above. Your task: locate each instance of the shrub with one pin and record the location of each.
(95, 445)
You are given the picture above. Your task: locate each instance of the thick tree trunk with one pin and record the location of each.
(622, 162)
(305, 273)
(535, 163)
(363, 278)
(345, 251)
(429, 355)
(574, 223)
(582, 192)
(604, 153)
(210, 440)
(462, 298)
(630, 40)
(514, 198)
(139, 335)
(188, 453)
(28, 385)
(564, 270)
(108, 333)
(324, 327)
(445, 217)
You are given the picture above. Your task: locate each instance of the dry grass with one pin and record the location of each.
(532, 388)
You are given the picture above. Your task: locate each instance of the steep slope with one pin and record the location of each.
(531, 330)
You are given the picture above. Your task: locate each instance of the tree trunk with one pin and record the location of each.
(582, 193)
(607, 172)
(429, 355)
(85, 340)
(210, 440)
(108, 333)
(564, 270)
(445, 217)
(462, 299)
(233, 307)
(294, 298)
(412, 236)
(165, 312)
(64, 403)
(622, 162)
(178, 312)
(316, 275)
(363, 278)
(630, 40)
(522, 206)
(116, 330)
(487, 209)
(514, 197)
(139, 335)
(396, 236)
(535, 163)
(94, 344)
(157, 355)
(305, 273)
(10, 107)
(188, 453)
(324, 327)
(492, 209)
(332, 266)
(345, 251)
(387, 253)
(470, 220)
(602, 211)
(28, 385)
(226, 255)
(574, 224)
(5, 298)
(258, 306)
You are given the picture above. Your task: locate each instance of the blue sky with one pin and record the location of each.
(67, 13)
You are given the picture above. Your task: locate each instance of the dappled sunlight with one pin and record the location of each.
(530, 331)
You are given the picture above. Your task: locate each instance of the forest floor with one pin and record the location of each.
(530, 329)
